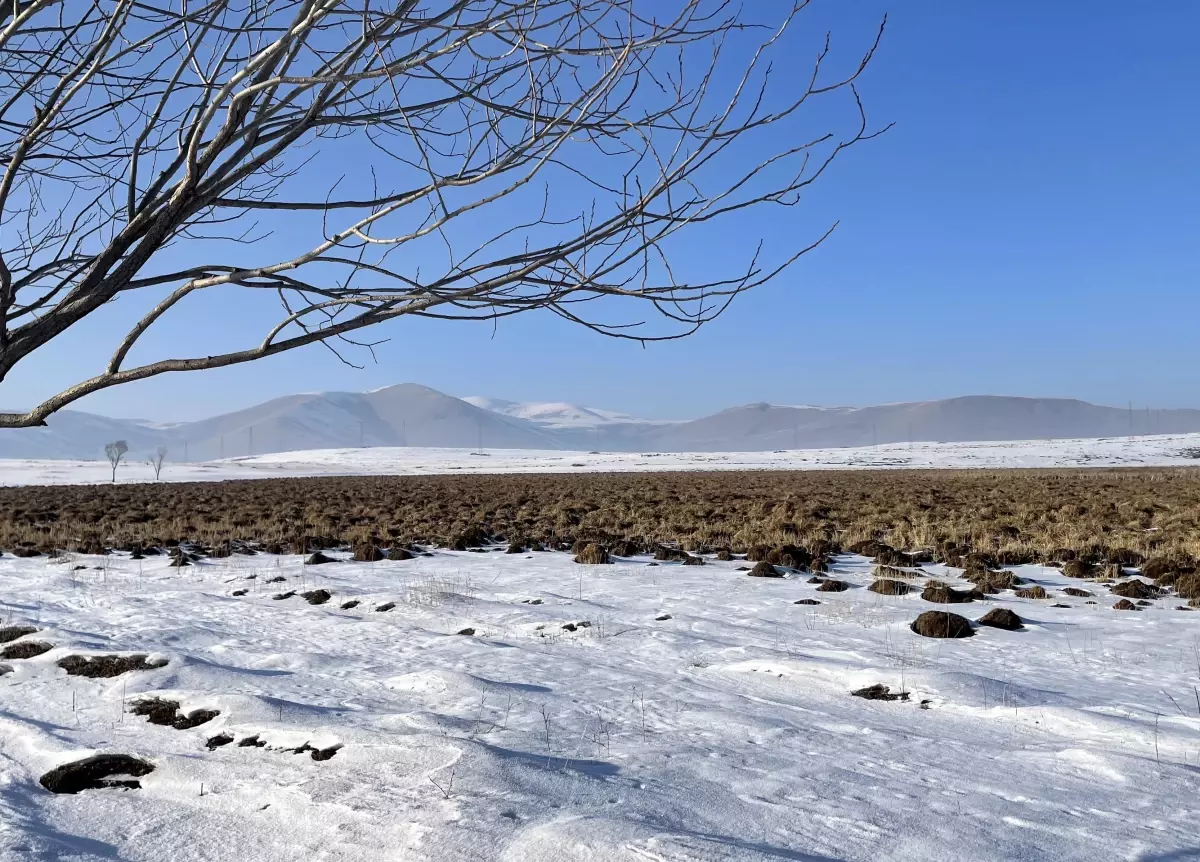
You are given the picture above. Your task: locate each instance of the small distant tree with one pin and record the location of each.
(115, 451)
(156, 461)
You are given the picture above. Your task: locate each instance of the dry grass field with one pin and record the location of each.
(1015, 516)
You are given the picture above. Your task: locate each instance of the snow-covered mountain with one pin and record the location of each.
(417, 416)
(556, 414)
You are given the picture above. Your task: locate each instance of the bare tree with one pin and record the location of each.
(157, 459)
(451, 159)
(115, 451)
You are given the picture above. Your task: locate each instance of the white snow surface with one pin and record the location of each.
(698, 715)
(1176, 450)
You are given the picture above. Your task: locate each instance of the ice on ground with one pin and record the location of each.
(585, 727)
(1174, 450)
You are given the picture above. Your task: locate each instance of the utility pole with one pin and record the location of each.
(185, 452)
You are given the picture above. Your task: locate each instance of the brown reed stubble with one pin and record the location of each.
(1147, 510)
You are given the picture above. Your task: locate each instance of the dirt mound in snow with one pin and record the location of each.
(806, 602)
(1034, 592)
(1164, 569)
(763, 569)
(106, 666)
(1134, 589)
(94, 773)
(992, 582)
(318, 559)
(942, 594)
(1079, 569)
(789, 556)
(592, 555)
(942, 624)
(166, 713)
(11, 633)
(879, 691)
(833, 586)
(891, 557)
(398, 554)
(1075, 591)
(25, 649)
(368, 552)
(664, 554)
(1125, 605)
(1001, 618)
(317, 597)
(317, 754)
(886, 587)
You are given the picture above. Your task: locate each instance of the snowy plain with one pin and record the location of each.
(1173, 450)
(622, 712)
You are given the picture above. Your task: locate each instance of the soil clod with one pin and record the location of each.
(833, 586)
(1001, 618)
(763, 569)
(942, 624)
(96, 772)
(317, 597)
(166, 713)
(106, 666)
(879, 691)
(25, 649)
(11, 633)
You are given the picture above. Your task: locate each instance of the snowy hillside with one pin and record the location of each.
(522, 708)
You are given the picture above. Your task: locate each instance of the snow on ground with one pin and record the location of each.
(692, 714)
(1181, 450)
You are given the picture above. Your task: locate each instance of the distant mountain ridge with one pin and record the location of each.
(409, 414)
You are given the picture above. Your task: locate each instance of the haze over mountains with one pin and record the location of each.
(412, 415)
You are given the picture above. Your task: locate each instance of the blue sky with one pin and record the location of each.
(1030, 226)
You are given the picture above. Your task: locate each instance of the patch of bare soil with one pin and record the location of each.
(1001, 618)
(879, 691)
(317, 597)
(763, 569)
(96, 772)
(166, 713)
(106, 666)
(25, 649)
(942, 624)
(11, 633)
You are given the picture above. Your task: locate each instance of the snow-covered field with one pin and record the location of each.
(623, 712)
(1179, 450)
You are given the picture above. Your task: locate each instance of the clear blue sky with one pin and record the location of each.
(1031, 226)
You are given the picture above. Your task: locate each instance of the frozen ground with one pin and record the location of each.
(1166, 450)
(693, 714)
